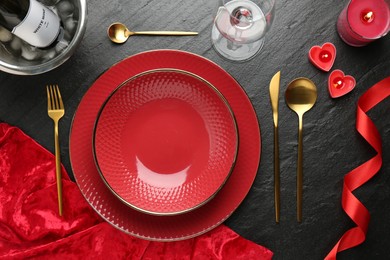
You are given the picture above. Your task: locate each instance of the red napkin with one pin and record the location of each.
(30, 226)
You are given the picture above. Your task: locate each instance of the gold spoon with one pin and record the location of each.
(301, 95)
(118, 33)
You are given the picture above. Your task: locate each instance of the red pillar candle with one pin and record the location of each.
(363, 21)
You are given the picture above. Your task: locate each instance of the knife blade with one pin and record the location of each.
(274, 96)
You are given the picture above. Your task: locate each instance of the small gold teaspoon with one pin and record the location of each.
(119, 33)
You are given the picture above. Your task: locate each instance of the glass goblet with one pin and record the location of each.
(240, 26)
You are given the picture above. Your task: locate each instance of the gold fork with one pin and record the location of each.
(55, 110)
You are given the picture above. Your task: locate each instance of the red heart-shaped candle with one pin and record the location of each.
(323, 56)
(340, 84)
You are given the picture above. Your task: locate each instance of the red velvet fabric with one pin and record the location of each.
(30, 226)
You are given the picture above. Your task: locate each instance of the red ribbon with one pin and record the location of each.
(360, 175)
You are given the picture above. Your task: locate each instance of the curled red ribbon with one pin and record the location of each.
(360, 175)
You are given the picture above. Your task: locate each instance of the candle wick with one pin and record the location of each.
(368, 17)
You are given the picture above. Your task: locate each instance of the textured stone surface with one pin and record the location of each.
(332, 147)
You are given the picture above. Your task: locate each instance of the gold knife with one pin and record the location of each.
(274, 95)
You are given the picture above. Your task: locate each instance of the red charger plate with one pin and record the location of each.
(164, 228)
(165, 142)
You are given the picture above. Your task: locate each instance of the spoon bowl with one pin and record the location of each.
(119, 33)
(301, 95)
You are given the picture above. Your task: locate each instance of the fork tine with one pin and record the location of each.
(59, 98)
(55, 97)
(53, 106)
(48, 98)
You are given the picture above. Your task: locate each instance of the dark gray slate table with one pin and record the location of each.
(332, 146)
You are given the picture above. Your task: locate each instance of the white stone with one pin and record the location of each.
(65, 8)
(30, 53)
(16, 43)
(70, 25)
(5, 35)
(48, 55)
(62, 45)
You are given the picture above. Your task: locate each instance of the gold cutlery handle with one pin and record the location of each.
(276, 174)
(274, 96)
(166, 33)
(300, 170)
(58, 167)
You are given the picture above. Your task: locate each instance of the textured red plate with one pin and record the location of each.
(164, 228)
(165, 142)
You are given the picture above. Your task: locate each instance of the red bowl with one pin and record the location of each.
(165, 141)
